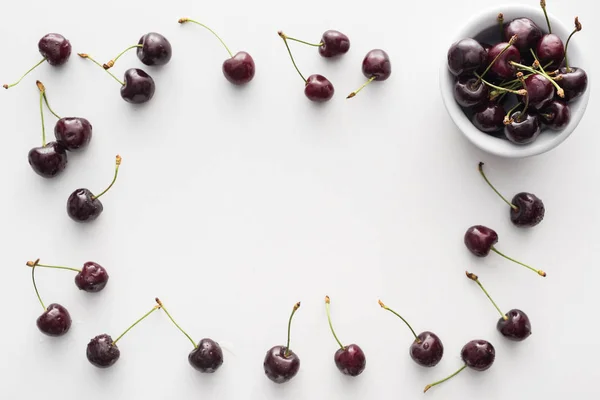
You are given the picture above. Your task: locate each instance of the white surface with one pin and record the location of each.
(233, 204)
(498, 146)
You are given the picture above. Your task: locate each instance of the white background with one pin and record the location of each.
(234, 203)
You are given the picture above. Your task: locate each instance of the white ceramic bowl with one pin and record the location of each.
(501, 147)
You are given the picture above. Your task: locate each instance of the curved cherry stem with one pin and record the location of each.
(284, 37)
(34, 285)
(499, 88)
(42, 88)
(183, 20)
(445, 379)
(475, 278)
(84, 55)
(117, 165)
(480, 167)
(559, 90)
(508, 117)
(175, 323)
(351, 95)
(5, 86)
(36, 263)
(578, 28)
(538, 271)
(500, 20)
(327, 301)
(512, 40)
(543, 5)
(135, 323)
(399, 316)
(304, 42)
(289, 329)
(522, 114)
(42, 91)
(112, 62)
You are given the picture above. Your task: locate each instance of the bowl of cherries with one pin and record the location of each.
(513, 81)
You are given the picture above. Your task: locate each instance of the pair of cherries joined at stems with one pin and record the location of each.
(375, 66)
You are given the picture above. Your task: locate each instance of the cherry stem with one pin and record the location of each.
(42, 90)
(507, 120)
(351, 95)
(34, 285)
(287, 347)
(499, 88)
(539, 271)
(543, 5)
(500, 20)
(160, 304)
(493, 188)
(445, 379)
(5, 86)
(135, 323)
(512, 40)
(577, 29)
(112, 62)
(522, 79)
(117, 165)
(327, 301)
(36, 263)
(559, 90)
(284, 37)
(303, 42)
(399, 316)
(183, 20)
(475, 278)
(83, 55)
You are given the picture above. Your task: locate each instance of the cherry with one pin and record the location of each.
(480, 239)
(281, 364)
(465, 57)
(469, 91)
(103, 352)
(478, 355)
(528, 33)
(91, 278)
(239, 69)
(489, 118)
(317, 88)
(84, 206)
(523, 128)
(540, 90)
(551, 51)
(555, 115)
(152, 49)
(332, 44)
(350, 359)
(56, 320)
(427, 348)
(573, 80)
(503, 53)
(206, 356)
(376, 66)
(55, 49)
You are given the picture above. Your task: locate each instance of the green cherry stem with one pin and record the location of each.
(520, 92)
(538, 271)
(500, 20)
(445, 379)
(303, 42)
(327, 301)
(399, 316)
(512, 41)
(559, 90)
(5, 86)
(184, 20)
(36, 263)
(475, 278)
(289, 329)
(508, 120)
(112, 62)
(117, 165)
(522, 80)
(480, 167)
(42, 91)
(40, 85)
(34, 285)
(578, 28)
(351, 95)
(176, 324)
(84, 55)
(543, 5)
(156, 307)
(284, 37)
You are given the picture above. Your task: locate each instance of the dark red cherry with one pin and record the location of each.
(207, 357)
(350, 360)
(574, 82)
(279, 366)
(92, 278)
(556, 115)
(73, 133)
(523, 128)
(540, 91)
(82, 206)
(427, 350)
(502, 67)
(101, 352)
(530, 210)
(55, 321)
(318, 88)
(239, 69)
(334, 44)
(469, 91)
(528, 33)
(516, 326)
(480, 239)
(139, 86)
(478, 354)
(55, 48)
(155, 50)
(48, 161)
(377, 64)
(550, 50)
(489, 117)
(465, 57)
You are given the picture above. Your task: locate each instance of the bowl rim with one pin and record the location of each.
(487, 143)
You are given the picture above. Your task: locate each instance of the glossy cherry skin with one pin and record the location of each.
(480, 239)
(350, 360)
(207, 357)
(502, 67)
(334, 44)
(377, 64)
(556, 115)
(574, 82)
(478, 354)
(83, 207)
(528, 34)
(239, 69)
(279, 367)
(530, 210)
(523, 129)
(428, 350)
(465, 57)
(468, 92)
(550, 49)
(101, 352)
(139, 86)
(155, 50)
(55, 321)
(73, 133)
(540, 91)
(517, 327)
(318, 88)
(55, 48)
(48, 161)
(489, 118)
(92, 278)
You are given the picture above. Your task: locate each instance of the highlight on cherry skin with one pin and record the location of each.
(84, 206)
(153, 49)
(207, 355)
(513, 325)
(426, 349)
(91, 278)
(376, 66)
(102, 351)
(239, 68)
(281, 364)
(54, 48)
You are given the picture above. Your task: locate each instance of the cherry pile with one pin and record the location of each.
(516, 87)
